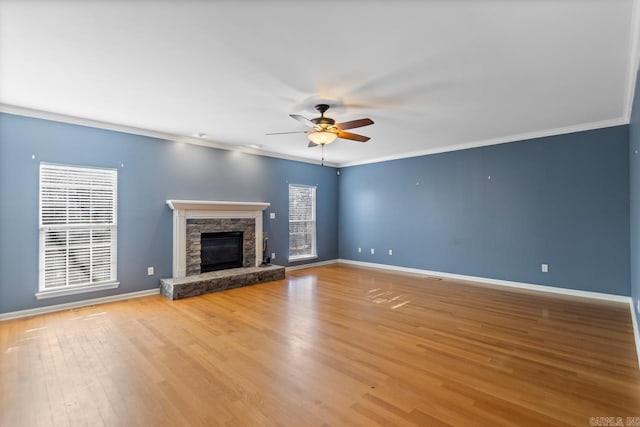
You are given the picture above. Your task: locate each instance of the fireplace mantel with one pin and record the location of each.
(202, 209)
(217, 205)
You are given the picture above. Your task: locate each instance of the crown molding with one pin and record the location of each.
(46, 115)
(495, 141)
(165, 136)
(634, 59)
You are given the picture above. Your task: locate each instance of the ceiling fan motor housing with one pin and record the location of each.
(322, 120)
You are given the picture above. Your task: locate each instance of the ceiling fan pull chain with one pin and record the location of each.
(322, 154)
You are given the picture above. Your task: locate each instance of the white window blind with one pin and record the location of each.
(302, 222)
(78, 226)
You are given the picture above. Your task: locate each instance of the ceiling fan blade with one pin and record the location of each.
(354, 124)
(284, 133)
(303, 120)
(353, 136)
(312, 144)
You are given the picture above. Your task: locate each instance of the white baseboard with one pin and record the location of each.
(312, 264)
(636, 333)
(77, 304)
(497, 282)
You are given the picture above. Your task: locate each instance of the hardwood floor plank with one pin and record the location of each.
(329, 346)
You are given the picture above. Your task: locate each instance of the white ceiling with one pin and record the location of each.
(433, 75)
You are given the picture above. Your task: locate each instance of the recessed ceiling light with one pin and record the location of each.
(255, 146)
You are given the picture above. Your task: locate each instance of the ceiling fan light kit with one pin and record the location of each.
(322, 137)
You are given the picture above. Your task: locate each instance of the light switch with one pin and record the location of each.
(272, 215)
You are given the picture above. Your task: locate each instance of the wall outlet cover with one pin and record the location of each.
(359, 250)
(272, 215)
(544, 268)
(373, 251)
(390, 251)
(150, 271)
(273, 255)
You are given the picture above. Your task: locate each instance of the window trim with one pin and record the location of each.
(78, 289)
(58, 291)
(314, 246)
(302, 258)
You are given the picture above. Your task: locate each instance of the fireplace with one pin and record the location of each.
(227, 232)
(196, 227)
(221, 250)
(192, 218)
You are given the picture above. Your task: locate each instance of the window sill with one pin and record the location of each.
(76, 290)
(302, 258)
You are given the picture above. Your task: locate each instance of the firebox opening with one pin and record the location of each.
(220, 251)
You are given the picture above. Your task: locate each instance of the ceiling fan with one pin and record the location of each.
(324, 130)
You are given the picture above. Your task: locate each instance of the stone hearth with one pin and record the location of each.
(214, 281)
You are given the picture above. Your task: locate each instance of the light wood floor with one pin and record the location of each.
(334, 345)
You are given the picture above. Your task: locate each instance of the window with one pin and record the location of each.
(302, 222)
(78, 229)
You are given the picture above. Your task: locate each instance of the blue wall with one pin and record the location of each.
(634, 179)
(154, 171)
(561, 200)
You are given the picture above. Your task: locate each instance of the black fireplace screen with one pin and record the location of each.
(220, 251)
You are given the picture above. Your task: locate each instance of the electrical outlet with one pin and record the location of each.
(373, 251)
(272, 215)
(149, 271)
(544, 268)
(390, 251)
(359, 250)
(273, 255)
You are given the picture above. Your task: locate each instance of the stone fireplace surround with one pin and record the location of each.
(197, 226)
(190, 219)
(193, 217)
